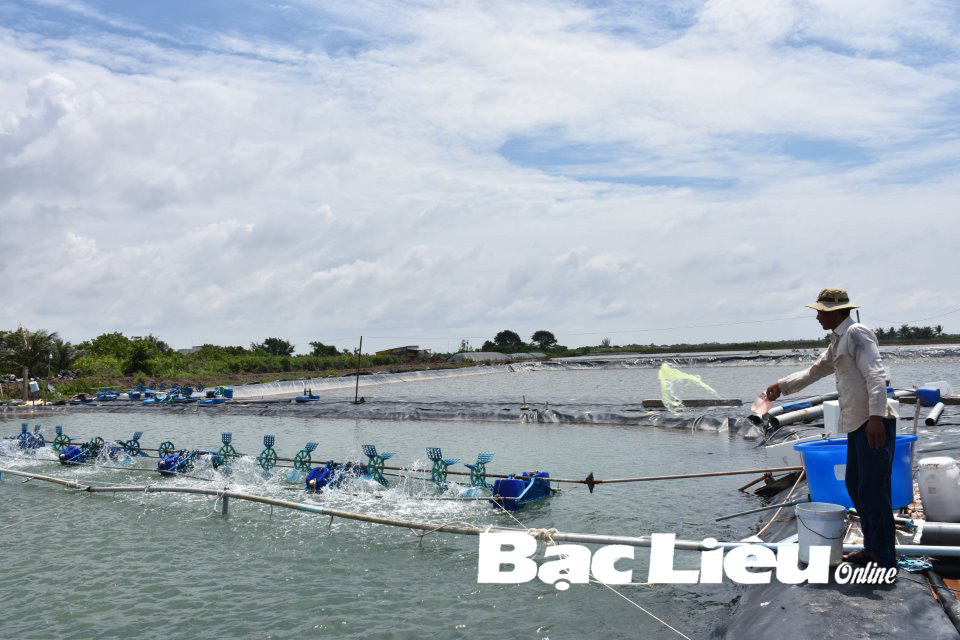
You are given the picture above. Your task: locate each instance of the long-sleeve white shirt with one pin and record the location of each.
(854, 356)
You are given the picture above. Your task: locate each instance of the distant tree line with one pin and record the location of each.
(906, 332)
(508, 341)
(114, 355)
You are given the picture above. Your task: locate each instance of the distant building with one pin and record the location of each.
(409, 351)
(187, 352)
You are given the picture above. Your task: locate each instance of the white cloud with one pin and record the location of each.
(256, 187)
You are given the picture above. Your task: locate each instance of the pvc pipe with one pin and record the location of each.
(940, 533)
(804, 415)
(774, 411)
(818, 400)
(814, 402)
(934, 416)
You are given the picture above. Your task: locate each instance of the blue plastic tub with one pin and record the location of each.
(825, 462)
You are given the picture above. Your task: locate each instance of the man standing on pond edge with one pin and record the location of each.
(854, 356)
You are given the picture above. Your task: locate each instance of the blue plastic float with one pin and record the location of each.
(87, 451)
(216, 396)
(928, 396)
(319, 477)
(182, 461)
(75, 454)
(513, 492)
(333, 475)
(107, 394)
(184, 396)
(307, 396)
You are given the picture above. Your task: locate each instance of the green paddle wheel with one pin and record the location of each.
(61, 441)
(132, 446)
(375, 463)
(96, 446)
(478, 470)
(268, 457)
(438, 473)
(301, 461)
(226, 452)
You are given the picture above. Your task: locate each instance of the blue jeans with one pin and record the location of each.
(868, 483)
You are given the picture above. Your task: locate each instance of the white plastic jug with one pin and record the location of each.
(939, 480)
(831, 416)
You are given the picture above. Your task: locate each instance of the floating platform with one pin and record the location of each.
(697, 402)
(950, 400)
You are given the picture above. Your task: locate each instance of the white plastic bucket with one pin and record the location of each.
(821, 524)
(939, 480)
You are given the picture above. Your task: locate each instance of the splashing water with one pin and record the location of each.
(669, 377)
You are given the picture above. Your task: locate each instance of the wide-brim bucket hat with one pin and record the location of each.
(832, 300)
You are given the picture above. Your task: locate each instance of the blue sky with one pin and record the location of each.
(427, 171)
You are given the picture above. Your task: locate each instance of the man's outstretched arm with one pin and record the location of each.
(822, 367)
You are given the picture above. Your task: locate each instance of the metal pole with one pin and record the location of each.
(356, 392)
(916, 413)
(590, 481)
(759, 509)
(47, 383)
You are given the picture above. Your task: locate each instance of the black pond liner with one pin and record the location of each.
(903, 610)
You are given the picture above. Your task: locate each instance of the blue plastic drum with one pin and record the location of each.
(825, 462)
(928, 396)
